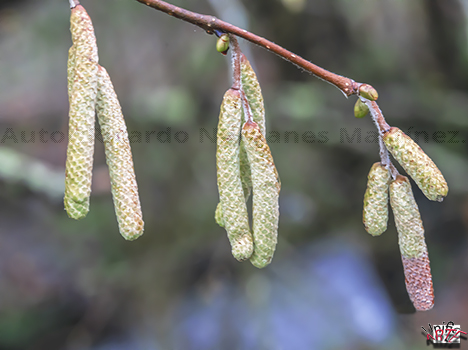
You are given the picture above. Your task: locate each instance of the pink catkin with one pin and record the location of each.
(418, 281)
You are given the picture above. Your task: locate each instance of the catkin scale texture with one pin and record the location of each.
(78, 171)
(245, 171)
(407, 218)
(119, 159)
(71, 71)
(234, 209)
(265, 189)
(417, 164)
(253, 92)
(375, 212)
(418, 280)
(413, 247)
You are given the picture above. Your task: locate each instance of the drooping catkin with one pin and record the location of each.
(253, 93)
(80, 150)
(265, 189)
(375, 212)
(246, 181)
(119, 159)
(413, 247)
(417, 164)
(234, 209)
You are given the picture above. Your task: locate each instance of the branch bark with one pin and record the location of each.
(73, 3)
(210, 24)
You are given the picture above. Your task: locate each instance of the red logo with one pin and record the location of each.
(448, 334)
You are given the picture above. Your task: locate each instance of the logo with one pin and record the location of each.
(444, 335)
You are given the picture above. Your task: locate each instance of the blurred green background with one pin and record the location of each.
(68, 284)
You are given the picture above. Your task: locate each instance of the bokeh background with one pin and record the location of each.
(79, 285)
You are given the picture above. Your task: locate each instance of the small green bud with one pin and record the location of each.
(222, 45)
(360, 109)
(367, 91)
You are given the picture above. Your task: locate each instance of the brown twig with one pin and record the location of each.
(236, 57)
(211, 23)
(382, 127)
(74, 3)
(377, 116)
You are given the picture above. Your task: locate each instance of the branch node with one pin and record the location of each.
(74, 3)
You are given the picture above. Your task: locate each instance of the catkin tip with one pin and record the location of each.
(418, 281)
(133, 236)
(76, 210)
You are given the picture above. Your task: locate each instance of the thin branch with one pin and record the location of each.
(377, 116)
(385, 159)
(211, 23)
(74, 3)
(382, 127)
(236, 57)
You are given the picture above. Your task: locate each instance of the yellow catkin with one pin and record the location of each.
(413, 247)
(417, 164)
(265, 189)
(375, 212)
(234, 209)
(253, 93)
(119, 159)
(80, 150)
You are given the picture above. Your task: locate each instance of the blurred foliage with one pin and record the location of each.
(68, 284)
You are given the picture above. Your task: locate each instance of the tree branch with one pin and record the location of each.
(211, 23)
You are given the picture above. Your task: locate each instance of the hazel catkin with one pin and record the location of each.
(232, 203)
(253, 94)
(119, 159)
(417, 164)
(83, 90)
(375, 212)
(413, 247)
(265, 189)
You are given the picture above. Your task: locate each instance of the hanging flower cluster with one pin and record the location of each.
(90, 89)
(244, 161)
